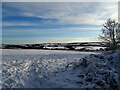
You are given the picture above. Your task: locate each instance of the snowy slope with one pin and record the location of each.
(64, 69)
(22, 67)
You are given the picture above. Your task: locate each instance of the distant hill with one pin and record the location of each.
(45, 45)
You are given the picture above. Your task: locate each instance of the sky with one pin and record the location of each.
(54, 22)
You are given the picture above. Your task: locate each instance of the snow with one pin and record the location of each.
(62, 48)
(90, 47)
(60, 69)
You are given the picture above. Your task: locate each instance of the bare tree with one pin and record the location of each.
(111, 32)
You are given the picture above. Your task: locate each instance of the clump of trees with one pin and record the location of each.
(111, 33)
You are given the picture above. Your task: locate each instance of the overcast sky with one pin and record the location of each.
(41, 22)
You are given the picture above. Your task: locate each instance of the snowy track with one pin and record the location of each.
(34, 68)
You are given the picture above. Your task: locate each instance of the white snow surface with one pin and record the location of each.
(59, 69)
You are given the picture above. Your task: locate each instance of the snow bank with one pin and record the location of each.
(99, 71)
(94, 71)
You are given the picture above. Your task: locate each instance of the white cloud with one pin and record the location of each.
(19, 24)
(48, 40)
(48, 31)
(72, 13)
(65, 13)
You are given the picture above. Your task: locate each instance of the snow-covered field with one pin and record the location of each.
(57, 69)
